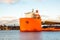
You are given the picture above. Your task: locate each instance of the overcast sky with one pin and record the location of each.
(17, 8)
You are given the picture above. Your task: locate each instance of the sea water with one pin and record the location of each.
(17, 35)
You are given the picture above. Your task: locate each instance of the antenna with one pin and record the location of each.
(32, 10)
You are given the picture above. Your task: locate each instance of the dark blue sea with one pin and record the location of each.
(17, 35)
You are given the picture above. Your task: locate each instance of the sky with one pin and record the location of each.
(17, 8)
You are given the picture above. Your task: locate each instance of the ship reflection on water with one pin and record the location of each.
(17, 35)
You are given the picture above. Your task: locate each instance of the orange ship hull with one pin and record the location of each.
(30, 24)
(50, 29)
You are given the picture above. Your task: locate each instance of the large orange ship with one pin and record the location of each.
(32, 22)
